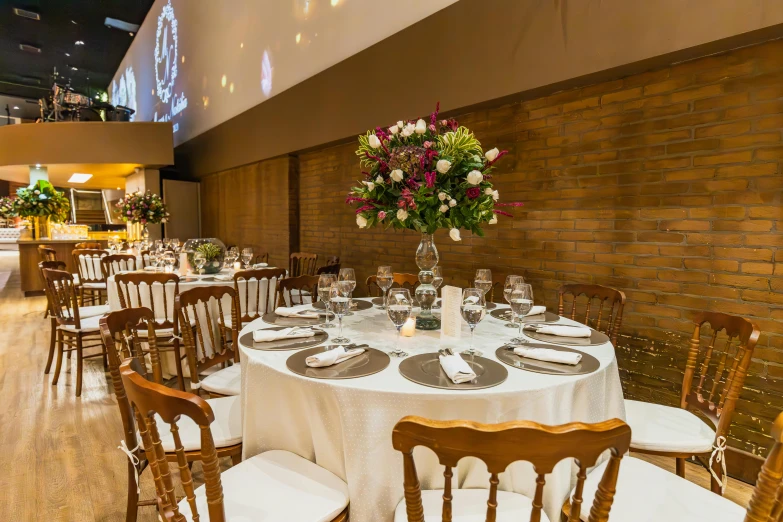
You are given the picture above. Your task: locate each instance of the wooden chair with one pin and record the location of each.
(74, 333)
(328, 269)
(302, 263)
(598, 298)
(261, 258)
(46, 253)
(114, 263)
(91, 277)
(145, 258)
(298, 289)
(255, 300)
(49, 312)
(332, 260)
(400, 280)
(129, 335)
(260, 486)
(499, 445)
(88, 246)
(713, 381)
(766, 504)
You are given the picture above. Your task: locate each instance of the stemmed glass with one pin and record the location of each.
(385, 279)
(398, 308)
(325, 282)
(175, 244)
(511, 280)
(339, 301)
(158, 244)
(521, 301)
(437, 280)
(230, 258)
(170, 259)
(247, 256)
(483, 280)
(199, 259)
(348, 276)
(473, 310)
(154, 259)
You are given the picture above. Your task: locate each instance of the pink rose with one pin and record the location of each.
(381, 215)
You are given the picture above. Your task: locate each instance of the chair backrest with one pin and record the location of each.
(114, 263)
(197, 321)
(46, 253)
(400, 280)
(296, 289)
(145, 258)
(261, 258)
(147, 399)
(766, 504)
(302, 264)
(719, 370)
(50, 265)
(156, 291)
(328, 269)
(498, 445)
(257, 293)
(602, 307)
(332, 260)
(63, 297)
(88, 264)
(87, 246)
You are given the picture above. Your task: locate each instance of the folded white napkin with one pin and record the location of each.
(546, 354)
(564, 331)
(261, 265)
(330, 357)
(265, 336)
(150, 268)
(456, 368)
(536, 310)
(294, 311)
(221, 277)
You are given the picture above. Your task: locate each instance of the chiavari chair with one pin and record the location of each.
(276, 485)
(301, 264)
(91, 276)
(328, 269)
(602, 307)
(114, 263)
(74, 333)
(145, 258)
(400, 280)
(87, 246)
(498, 446)
(297, 290)
(766, 504)
(49, 312)
(261, 258)
(129, 335)
(713, 381)
(46, 253)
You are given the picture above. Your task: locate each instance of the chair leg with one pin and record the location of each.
(715, 485)
(178, 362)
(79, 365)
(59, 357)
(132, 507)
(81, 296)
(52, 343)
(680, 467)
(236, 459)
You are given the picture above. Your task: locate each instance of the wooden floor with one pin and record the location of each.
(60, 460)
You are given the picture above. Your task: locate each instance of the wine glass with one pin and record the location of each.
(158, 244)
(175, 244)
(384, 279)
(473, 310)
(325, 282)
(348, 276)
(521, 301)
(153, 257)
(398, 308)
(247, 256)
(199, 259)
(437, 280)
(170, 260)
(230, 258)
(483, 280)
(511, 280)
(339, 301)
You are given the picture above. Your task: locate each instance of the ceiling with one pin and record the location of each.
(105, 175)
(29, 75)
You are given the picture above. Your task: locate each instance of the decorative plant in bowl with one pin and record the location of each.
(212, 249)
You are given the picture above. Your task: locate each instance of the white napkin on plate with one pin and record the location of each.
(563, 330)
(330, 357)
(456, 368)
(546, 354)
(294, 311)
(536, 310)
(220, 277)
(261, 265)
(265, 336)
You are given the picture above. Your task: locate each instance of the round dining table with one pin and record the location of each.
(345, 426)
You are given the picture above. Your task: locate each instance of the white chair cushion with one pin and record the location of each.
(227, 381)
(88, 324)
(655, 427)
(93, 311)
(470, 505)
(276, 486)
(226, 429)
(647, 493)
(94, 286)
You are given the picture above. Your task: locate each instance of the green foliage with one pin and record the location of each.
(210, 251)
(42, 200)
(461, 144)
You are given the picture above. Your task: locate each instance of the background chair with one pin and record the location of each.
(302, 263)
(91, 277)
(88, 246)
(46, 253)
(114, 263)
(332, 260)
(328, 269)
(602, 307)
(400, 280)
(261, 258)
(257, 295)
(297, 290)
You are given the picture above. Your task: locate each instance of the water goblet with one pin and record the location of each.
(247, 256)
(384, 279)
(170, 260)
(483, 280)
(473, 310)
(521, 301)
(339, 301)
(398, 308)
(199, 259)
(348, 276)
(325, 282)
(511, 280)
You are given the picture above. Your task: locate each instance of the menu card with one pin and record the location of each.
(450, 316)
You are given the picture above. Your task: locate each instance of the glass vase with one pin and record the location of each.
(426, 260)
(214, 256)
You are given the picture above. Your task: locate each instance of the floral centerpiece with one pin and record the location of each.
(7, 208)
(41, 203)
(213, 251)
(143, 208)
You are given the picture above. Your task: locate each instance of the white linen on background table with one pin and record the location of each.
(345, 426)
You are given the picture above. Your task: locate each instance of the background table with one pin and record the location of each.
(345, 426)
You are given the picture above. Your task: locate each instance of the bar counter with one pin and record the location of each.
(29, 259)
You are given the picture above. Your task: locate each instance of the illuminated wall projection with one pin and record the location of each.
(197, 63)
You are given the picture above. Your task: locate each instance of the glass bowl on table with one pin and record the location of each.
(212, 249)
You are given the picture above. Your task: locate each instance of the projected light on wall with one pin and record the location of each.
(125, 93)
(266, 74)
(165, 64)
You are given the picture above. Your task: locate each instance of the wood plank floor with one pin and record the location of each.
(60, 460)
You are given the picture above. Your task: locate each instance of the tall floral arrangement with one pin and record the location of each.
(425, 176)
(144, 208)
(7, 208)
(42, 200)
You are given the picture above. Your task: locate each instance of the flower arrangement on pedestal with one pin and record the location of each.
(143, 208)
(42, 201)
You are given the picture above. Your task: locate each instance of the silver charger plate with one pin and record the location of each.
(357, 305)
(425, 369)
(588, 364)
(370, 362)
(596, 338)
(273, 318)
(286, 344)
(505, 315)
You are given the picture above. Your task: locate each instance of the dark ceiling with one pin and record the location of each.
(63, 22)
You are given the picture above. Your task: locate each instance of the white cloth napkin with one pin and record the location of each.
(456, 368)
(546, 354)
(222, 277)
(293, 311)
(536, 310)
(265, 336)
(330, 357)
(564, 331)
(261, 265)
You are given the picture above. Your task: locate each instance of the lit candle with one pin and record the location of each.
(237, 266)
(409, 328)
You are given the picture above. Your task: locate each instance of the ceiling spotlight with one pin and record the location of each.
(130, 34)
(74, 68)
(223, 81)
(73, 22)
(241, 45)
(298, 37)
(38, 165)
(335, 2)
(79, 178)
(231, 88)
(17, 108)
(78, 42)
(68, 55)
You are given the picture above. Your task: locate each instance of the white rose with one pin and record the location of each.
(397, 175)
(491, 154)
(379, 180)
(402, 214)
(421, 126)
(400, 124)
(394, 129)
(442, 196)
(408, 130)
(454, 234)
(453, 203)
(495, 195)
(370, 185)
(361, 221)
(493, 220)
(444, 208)
(374, 141)
(443, 166)
(488, 191)
(475, 177)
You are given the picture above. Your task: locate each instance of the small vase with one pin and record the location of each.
(426, 260)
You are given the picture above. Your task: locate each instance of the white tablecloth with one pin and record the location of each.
(345, 426)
